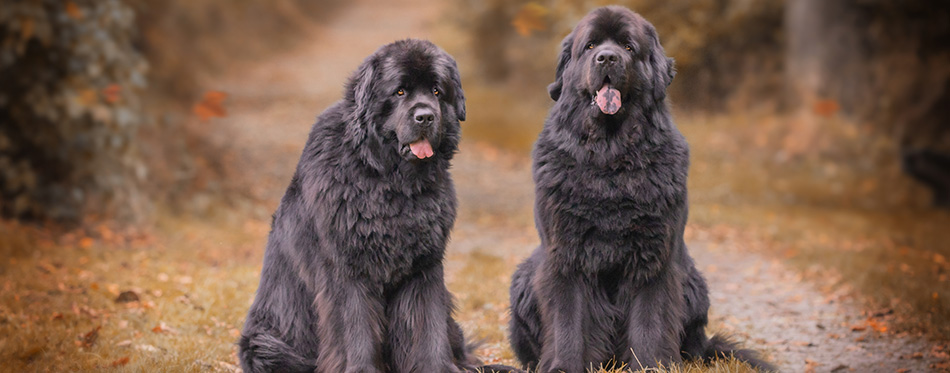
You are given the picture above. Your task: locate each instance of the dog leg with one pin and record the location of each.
(561, 298)
(525, 324)
(418, 325)
(654, 326)
(350, 327)
(696, 295)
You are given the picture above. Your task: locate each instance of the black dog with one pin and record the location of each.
(612, 281)
(353, 276)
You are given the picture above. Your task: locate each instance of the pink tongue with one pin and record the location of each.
(422, 149)
(608, 99)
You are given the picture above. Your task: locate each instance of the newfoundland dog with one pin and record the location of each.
(612, 281)
(353, 275)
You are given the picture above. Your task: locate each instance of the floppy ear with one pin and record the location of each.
(554, 89)
(662, 67)
(456, 80)
(363, 87)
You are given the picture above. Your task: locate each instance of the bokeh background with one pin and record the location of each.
(144, 145)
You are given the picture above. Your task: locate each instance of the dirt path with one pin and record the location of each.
(758, 300)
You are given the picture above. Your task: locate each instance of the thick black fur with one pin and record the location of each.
(353, 276)
(612, 281)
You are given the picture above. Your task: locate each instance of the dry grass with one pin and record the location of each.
(195, 280)
(194, 285)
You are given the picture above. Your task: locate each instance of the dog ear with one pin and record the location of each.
(554, 89)
(662, 66)
(459, 95)
(362, 86)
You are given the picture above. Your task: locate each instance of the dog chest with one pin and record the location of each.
(597, 218)
(386, 233)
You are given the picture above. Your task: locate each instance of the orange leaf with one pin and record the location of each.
(88, 97)
(90, 338)
(211, 106)
(826, 107)
(531, 17)
(26, 29)
(111, 93)
(86, 242)
(120, 362)
(73, 10)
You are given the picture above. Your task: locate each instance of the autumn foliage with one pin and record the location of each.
(70, 79)
(101, 107)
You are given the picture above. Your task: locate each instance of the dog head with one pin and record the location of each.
(614, 58)
(409, 94)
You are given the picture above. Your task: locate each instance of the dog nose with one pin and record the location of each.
(424, 116)
(607, 57)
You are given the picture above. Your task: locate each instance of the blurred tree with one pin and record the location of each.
(491, 44)
(886, 63)
(69, 109)
(726, 51)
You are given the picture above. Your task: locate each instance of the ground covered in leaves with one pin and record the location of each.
(814, 286)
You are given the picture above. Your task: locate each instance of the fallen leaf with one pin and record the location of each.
(211, 106)
(86, 242)
(184, 280)
(826, 107)
(31, 353)
(127, 296)
(163, 328)
(147, 348)
(858, 328)
(120, 362)
(90, 338)
(26, 29)
(73, 10)
(46, 267)
(88, 97)
(111, 93)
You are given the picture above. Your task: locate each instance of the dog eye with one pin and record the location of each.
(628, 47)
(590, 46)
(400, 92)
(436, 91)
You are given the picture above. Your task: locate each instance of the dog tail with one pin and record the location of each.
(263, 352)
(722, 347)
